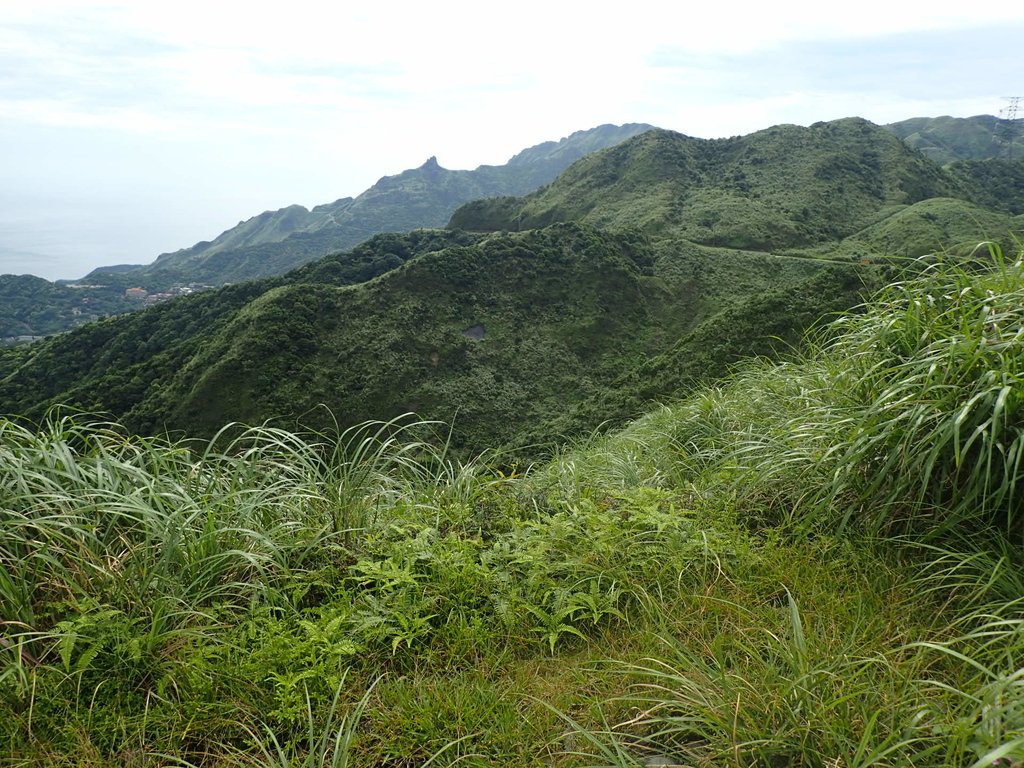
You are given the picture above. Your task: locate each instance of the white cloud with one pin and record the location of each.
(243, 106)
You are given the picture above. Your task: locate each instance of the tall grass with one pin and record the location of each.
(902, 428)
(787, 683)
(931, 376)
(908, 416)
(95, 523)
(327, 744)
(828, 548)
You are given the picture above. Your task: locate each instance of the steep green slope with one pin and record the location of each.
(518, 335)
(268, 228)
(506, 336)
(783, 187)
(116, 364)
(769, 320)
(997, 183)
(938, 224)
(499, 333)
(948, 139)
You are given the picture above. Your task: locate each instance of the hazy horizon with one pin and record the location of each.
(131, 130)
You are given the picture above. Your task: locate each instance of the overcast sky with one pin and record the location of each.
(128, 129)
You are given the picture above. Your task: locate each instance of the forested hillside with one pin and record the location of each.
(500, 334)
(32, 306)
(641, 271)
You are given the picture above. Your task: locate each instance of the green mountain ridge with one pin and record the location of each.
(622, 288)
(276, 241)
(949, 139)
(783, 187)
(561, 312)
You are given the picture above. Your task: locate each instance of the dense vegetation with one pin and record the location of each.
(812, 563)
(998, 184)
(31, 306)
(950, 139)
(786, 187)
(641, 271)
(978, 150)
(504, 335)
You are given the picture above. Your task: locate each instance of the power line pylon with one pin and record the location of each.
(1008, 127)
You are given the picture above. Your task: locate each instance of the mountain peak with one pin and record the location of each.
(425, 196)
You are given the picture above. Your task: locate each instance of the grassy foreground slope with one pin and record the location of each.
(815, 563)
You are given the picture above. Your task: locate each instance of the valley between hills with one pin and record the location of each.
(681, 452)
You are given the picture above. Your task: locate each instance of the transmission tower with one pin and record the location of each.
(1008, 128)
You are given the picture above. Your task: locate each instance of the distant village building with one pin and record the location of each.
(9, 341)
(136, 293)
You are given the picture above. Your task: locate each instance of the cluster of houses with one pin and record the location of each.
(141, 294)
(10, 341)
